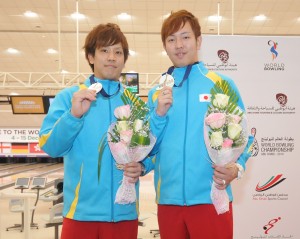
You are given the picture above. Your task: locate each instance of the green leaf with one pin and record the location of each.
(231, 107)
(102, 145)
(138, 139)
(223, 87)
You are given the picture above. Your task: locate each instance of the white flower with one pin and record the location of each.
(137, 125)
(234, 131)
(220, 101)
(122, 125)
(216, 139)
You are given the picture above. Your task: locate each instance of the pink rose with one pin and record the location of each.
(122, 112)
(227, 143)
(215, 120)
(125, 136)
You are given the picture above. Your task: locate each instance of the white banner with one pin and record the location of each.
(19, 135)
(266, 199)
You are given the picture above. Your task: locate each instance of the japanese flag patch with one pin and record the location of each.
(204, 97)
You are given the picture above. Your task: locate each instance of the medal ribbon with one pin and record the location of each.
(102, 91)
(186, 74)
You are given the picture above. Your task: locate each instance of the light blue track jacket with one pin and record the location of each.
(183, 173)
(77, 140)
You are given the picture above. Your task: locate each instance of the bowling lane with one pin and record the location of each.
(4, 164)
(14, 166)
(32, 171)
(22, 168)
(52, 176)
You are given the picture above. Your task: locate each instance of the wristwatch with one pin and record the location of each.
(240, 170)
(143, 169)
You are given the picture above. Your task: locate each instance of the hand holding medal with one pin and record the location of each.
(82, 99)
(165, 80)
(165, 98)
(96, 86)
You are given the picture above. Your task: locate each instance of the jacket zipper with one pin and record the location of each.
(184, 145)
(112, 169)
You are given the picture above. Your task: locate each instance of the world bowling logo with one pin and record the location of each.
(273, 49)
(272, 66)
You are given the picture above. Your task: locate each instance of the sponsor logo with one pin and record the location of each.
(223, 56)
(224, 64)
(271, 145)
(271, 224)
(273, 66)
(282, 99)
(273, 196)
(273, 48)
(281, 108)
(272, 182)
(255, 146)
(270, 228)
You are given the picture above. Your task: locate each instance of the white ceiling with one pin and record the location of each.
(33, 36)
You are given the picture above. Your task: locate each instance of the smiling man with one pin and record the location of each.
(183, 172)
(73, 128)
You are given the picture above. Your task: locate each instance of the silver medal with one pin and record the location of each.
(96, 86)
(165, 80)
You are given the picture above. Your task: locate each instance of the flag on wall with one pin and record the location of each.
(19, 148)
(5, 148)
(34, 148)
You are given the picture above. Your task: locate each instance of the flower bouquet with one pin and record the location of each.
(225, 135)
(129, 140)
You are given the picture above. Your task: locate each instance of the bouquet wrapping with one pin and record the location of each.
(123, 153)
(225, 136)
(129, 140)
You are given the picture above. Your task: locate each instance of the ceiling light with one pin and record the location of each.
(132, 53)
(260, 17)
(77, 15)
(214, 18)
(164, 53)
(64, 72)
(51, 51)
(30, 14)
(124, 16)
(12, 50)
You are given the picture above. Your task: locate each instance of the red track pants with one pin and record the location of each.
(194, 222)
(99, 230)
